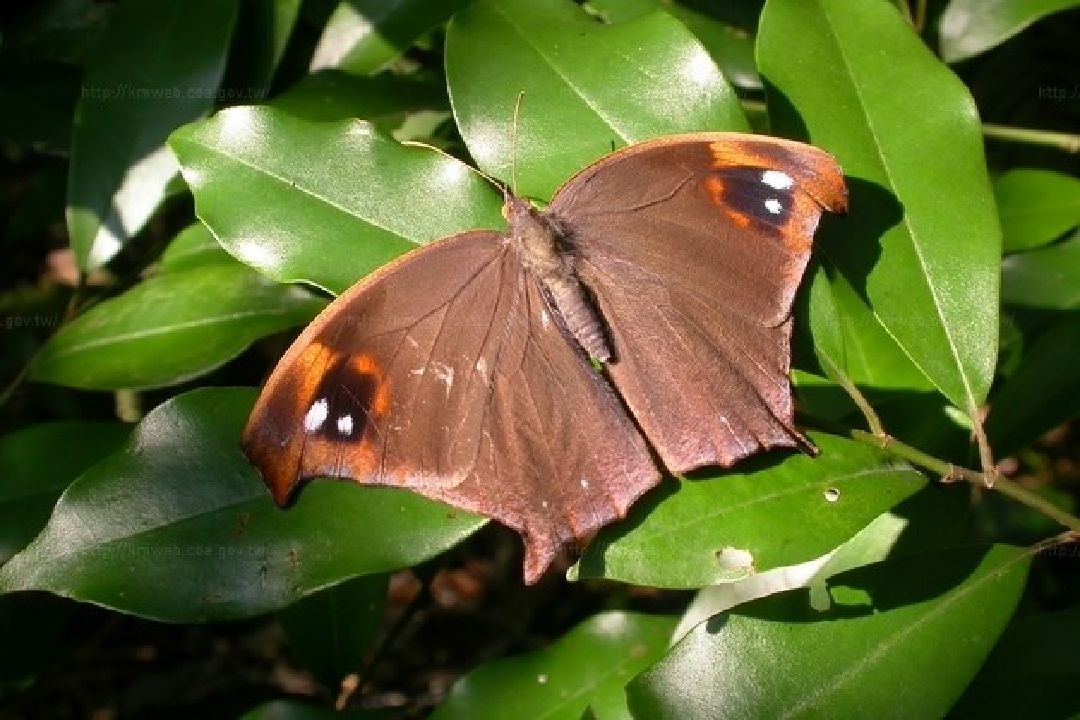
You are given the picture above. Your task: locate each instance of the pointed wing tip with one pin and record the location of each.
(536, 563)
(277, 473)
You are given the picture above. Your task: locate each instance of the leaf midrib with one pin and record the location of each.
(908, 226)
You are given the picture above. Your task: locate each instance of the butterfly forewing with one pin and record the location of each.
(693, 247)
(448, 373)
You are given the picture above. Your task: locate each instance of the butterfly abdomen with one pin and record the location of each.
(579, 315)
(536, 238)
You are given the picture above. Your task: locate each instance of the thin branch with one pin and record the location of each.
(836, 375)
(1061, 141)
(951, 473)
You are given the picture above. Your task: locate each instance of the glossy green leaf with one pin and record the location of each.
(323, 202)
(384, 100)
(586, 668)
(588, 87)
(171, 328)
(330, 631)
(362, 36)
(969, 27)
(193, 247)
(1032, 672)
(908, 136)
(37, 463)
(773, 511)
(1048, 277)
(179, 527)
(157, 67)
(1042, 393)
(902, 639)
(1036, 207)
(848, 340)
(731, 47)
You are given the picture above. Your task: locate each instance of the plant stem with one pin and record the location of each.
(838, 376)
(1061, 141)
(950, 472)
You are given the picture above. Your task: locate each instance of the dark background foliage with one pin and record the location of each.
(186, 182)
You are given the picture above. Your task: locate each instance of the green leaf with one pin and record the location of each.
(323, 202)
(923, 624)
(908, 135)
(1036, 207)
(586, 668)
(774, 511)
(588, 87)
(731, 47)
(179, 527)
(37, 463)
(1042, 393)
(384, 100)
(849, 342)
(170, 328)
(969, 27)
(1048, 277)
(193, 247)
(157, 67)
(363, 36)
(330, 631)
(1032, 672)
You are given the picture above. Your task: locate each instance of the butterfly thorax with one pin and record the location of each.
(540, 243)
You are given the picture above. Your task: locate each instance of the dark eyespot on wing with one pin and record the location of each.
(353, 395)
(753, 197)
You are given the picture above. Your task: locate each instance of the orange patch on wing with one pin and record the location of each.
(312, 361)
(367, 365)
(716, 189)
(736, 155)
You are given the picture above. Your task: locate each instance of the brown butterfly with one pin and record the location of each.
(465, 369)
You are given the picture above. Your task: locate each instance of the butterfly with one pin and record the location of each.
(545, 375)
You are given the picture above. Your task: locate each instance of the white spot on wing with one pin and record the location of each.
(774, 206)
(445, 374)
(345, 425)
(316, 415)
(777, 180)
(482, 369)
(584, 484)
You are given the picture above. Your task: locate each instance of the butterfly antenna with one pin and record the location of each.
(513, 142)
